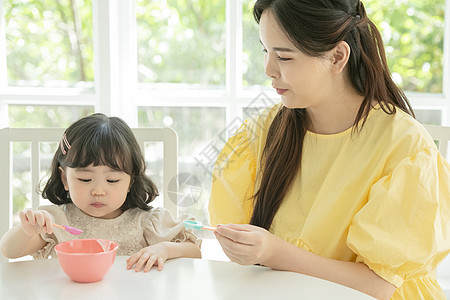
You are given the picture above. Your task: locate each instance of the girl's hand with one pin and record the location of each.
(246, 244)
(152, 255)
(35, 222)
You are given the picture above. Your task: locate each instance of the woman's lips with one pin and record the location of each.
(280, 91)
(97, 204)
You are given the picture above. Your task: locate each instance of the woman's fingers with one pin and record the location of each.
(237, 233)
(232, 246)
(243, 257)
(240, 227)
(245, 244)
(237, 252)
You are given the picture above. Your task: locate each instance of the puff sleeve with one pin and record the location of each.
(161, 226)
(233, 180)
(403, 231)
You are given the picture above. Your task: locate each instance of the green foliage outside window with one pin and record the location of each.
(46, 116)
(49, 43)
(182, 41)
(413, 33)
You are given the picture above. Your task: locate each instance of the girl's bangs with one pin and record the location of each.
(97, 152)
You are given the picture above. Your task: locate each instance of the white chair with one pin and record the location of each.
(37, 136)
(442, 135)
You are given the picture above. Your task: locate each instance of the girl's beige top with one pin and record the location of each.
(132, 230)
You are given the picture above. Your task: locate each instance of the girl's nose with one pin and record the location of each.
(98, 191)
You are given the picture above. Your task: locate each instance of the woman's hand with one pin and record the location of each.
(35, 222)
(247, 244)
(152, 255)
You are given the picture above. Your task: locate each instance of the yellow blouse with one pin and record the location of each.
(381, 196)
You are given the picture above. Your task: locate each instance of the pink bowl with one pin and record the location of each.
(86, 260)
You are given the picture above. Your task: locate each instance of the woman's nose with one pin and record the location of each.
(270, 66)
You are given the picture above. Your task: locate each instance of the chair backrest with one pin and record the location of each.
(36, 136)
(442, 135)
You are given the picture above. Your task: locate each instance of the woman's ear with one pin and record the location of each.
(63, 175)
(340, 56)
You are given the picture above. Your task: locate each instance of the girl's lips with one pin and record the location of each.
(281, 91)
(97, 204)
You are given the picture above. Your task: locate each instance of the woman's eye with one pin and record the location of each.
(283, 59)
(112, 181)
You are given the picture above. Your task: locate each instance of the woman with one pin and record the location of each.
(338, 181)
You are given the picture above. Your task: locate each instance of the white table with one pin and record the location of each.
(182, 278)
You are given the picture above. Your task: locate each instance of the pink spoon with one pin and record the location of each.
(70, 229)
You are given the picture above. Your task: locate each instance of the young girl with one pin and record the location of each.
(339, 181)
(99, 185)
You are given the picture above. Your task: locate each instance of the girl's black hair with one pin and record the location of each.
(101, 140)
(315, 27)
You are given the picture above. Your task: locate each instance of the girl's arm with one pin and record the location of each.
(247, 244)
(24, 238)
(185, 249)
(158, 254)
(15, 243)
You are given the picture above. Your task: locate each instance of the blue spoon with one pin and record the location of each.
(197, 225)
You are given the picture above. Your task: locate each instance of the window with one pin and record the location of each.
(196, 66)
(49, 44)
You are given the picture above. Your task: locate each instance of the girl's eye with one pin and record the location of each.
(112, 181)
(84, 180)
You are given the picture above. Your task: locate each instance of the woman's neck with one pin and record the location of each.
(337, 113)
